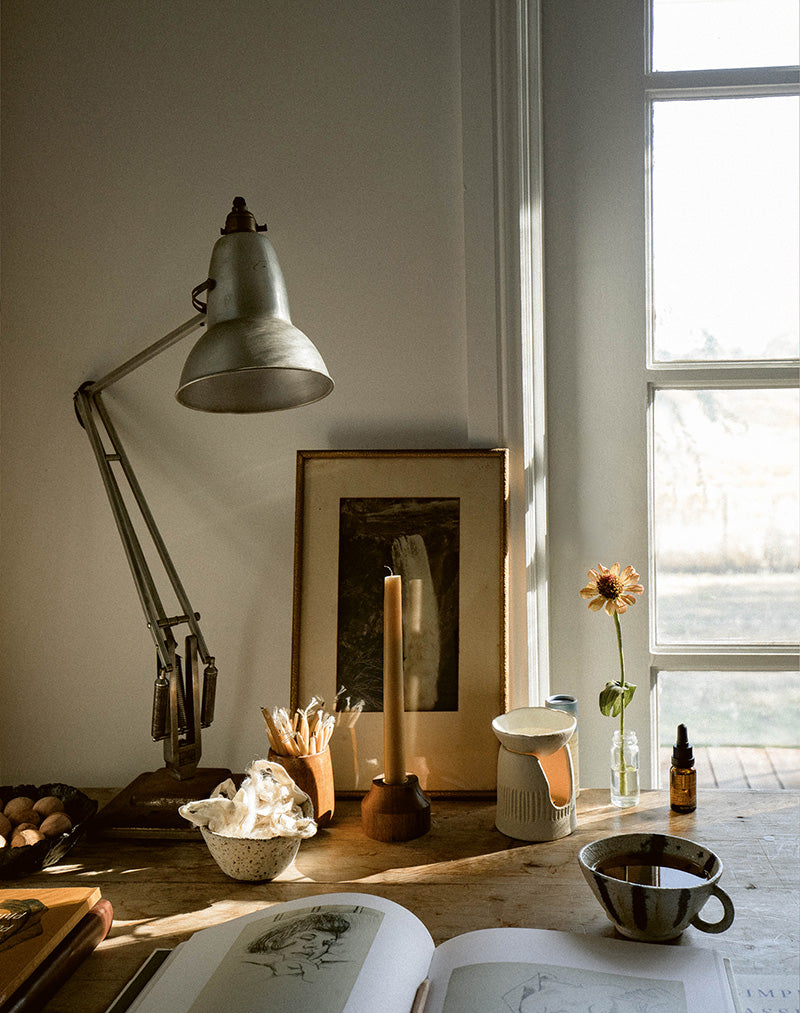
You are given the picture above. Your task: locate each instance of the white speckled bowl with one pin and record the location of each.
(253, 859)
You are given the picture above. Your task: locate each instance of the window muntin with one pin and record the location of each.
(710, 34)
(725, 221)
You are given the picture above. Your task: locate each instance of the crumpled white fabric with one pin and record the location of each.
(267, 805)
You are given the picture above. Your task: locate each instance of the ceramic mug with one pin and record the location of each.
(653, 886)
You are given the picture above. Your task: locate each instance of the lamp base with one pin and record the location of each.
(395, 812)
(147, 808)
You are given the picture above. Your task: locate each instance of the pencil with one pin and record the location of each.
(421, 997)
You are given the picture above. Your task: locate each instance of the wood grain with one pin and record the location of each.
(462, 875)
(767, 768)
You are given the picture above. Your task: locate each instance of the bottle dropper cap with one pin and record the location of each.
(682, 755)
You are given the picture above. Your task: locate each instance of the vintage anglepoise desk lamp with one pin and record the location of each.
(251, 358)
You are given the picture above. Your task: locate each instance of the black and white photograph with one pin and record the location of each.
(419, 540)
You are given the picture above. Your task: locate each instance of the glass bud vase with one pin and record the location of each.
(624, 770)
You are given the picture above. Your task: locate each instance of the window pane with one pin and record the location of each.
(730, 708)
(725, 229)
(706, 34)
(743, 726)
(725, 509)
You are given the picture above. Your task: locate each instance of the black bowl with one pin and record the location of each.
(24, 861)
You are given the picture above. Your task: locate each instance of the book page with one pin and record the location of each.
(342, 953)
(763, 993)
(541, 971)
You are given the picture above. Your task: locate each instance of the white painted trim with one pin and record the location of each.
(743, 659)
(521, 306)
(495, 168)
(713, 83)
(725, 375)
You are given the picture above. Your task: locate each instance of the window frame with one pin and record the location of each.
(663, 86)
(703, 375)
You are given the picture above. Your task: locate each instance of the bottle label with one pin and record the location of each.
(682, 786)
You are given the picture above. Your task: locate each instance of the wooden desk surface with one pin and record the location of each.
(462, 875)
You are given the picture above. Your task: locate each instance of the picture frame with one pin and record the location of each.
(439, 518)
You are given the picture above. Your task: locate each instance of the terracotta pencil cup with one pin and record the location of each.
(313, 774)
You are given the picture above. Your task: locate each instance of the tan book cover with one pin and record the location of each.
(33, 921)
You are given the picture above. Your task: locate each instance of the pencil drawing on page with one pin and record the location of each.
(308, 958)
(545, 988)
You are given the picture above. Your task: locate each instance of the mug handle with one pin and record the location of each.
(727, 915)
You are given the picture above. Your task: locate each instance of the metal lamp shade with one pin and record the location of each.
(251, 357)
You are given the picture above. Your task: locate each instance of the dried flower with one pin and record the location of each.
(614, 591)
(611, 589)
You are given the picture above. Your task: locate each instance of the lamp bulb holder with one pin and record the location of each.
(240, 219)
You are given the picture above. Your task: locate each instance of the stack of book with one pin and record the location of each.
(44, 935)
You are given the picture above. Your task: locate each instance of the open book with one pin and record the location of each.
(358, 953)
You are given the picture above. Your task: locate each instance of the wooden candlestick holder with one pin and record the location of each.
(395, 812)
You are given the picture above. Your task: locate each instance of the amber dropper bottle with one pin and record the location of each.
(682, 775)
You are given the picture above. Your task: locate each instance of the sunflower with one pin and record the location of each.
(611, 589)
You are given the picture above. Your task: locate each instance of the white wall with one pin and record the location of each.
(597, 389)
(128, 127)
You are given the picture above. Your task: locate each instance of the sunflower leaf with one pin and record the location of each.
(613, 697)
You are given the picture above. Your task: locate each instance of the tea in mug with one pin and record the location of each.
(669, 871)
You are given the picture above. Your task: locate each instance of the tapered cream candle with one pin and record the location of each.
(394, 758)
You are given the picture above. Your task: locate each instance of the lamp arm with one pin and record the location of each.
(148, 594)
(191, 325)
(86, 406)
(186, 711)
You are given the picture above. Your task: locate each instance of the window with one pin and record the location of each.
(723, 343)
(670, 212)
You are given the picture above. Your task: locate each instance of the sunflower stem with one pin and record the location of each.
(622, 772)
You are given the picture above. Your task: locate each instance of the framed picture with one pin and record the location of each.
(438, 518)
